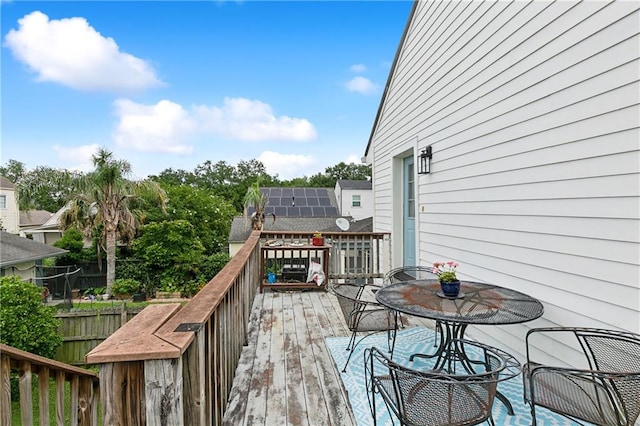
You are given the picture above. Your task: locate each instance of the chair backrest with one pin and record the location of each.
(360, 313)
(615, 352)
(610, 350)
(408, 273)
(440, 398)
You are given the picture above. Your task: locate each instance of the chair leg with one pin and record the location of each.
(350, 347)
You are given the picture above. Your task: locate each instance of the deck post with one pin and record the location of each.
(163, 391)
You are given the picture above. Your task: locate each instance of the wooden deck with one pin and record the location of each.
(286, 374)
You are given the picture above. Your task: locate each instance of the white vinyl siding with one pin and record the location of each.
(533, 113)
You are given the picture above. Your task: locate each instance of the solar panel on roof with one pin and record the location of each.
(312, 202)
(301, 202)
(330, 211)
(318, 211)
(325, 202)
(281, 211)
(275, 192)
(293, 211)
(287, 192)
(305, 211)
(310, 192)
(299, 192)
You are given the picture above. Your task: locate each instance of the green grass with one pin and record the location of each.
(16, 415)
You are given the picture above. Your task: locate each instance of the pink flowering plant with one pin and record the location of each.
(446, 271)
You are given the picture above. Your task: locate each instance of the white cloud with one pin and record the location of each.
(361, 85)
(359, 68)
(71, 52)
(79, 157)
(168, 127)
(163, 127)
(251, 120)
(353, 159)
(287, 166)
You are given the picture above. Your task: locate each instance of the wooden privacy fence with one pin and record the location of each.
(83, 330)
(173, 365)
(83, 395)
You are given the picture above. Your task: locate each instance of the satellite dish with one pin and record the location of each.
(343, 223)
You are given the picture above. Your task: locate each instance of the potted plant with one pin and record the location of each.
(125, 288)
(272, 271)
(449, 282)
(101, 291)
(318, 239)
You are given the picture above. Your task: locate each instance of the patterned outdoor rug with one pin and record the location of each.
(410, 341)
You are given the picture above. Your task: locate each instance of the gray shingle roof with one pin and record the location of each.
(240, 229)
(15, 249)
(6, 183)
(34, 217)
(354, 184)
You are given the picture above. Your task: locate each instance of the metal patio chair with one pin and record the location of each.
(607, 392)
(439, 397)
(364, 315)
(410, 273)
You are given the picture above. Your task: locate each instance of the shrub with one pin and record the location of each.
(27, 323)
(125, 286)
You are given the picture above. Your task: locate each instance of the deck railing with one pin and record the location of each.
(354, 255)
(175, 365)
(83, 386)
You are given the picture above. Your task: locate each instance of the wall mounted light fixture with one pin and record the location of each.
(424, 161)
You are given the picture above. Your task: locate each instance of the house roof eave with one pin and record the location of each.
(366, 158)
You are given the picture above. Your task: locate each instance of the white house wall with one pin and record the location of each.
(532, 111)
(10, 216)
(366, 203)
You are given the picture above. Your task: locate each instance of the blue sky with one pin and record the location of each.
(295, 84)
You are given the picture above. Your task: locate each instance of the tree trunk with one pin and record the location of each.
(111, 259)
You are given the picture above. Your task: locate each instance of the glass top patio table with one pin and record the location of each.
(478, 303)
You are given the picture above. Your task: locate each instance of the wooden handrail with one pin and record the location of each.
(83, 386)
(175, 364)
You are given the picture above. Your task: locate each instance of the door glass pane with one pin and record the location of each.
(411, 202)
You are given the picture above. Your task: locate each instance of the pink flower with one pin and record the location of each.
(441, 267)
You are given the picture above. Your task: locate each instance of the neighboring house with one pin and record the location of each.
(9, 213)
(531, 110)
(355, 198)
(20, 256)
(295, 209)
(49, 231)
(32, 219)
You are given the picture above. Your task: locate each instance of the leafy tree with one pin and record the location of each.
(175, 177)
(71, 240)
(210, 215)
(212, 265)
(171, 249)
(14, 170)
(43, 188)
(341, 170)
(231, 182)
(27, 323)
(103, 200)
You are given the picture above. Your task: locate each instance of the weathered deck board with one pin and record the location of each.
(286, 374)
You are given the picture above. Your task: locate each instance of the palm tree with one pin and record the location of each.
(258, 200)
(103, 204)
